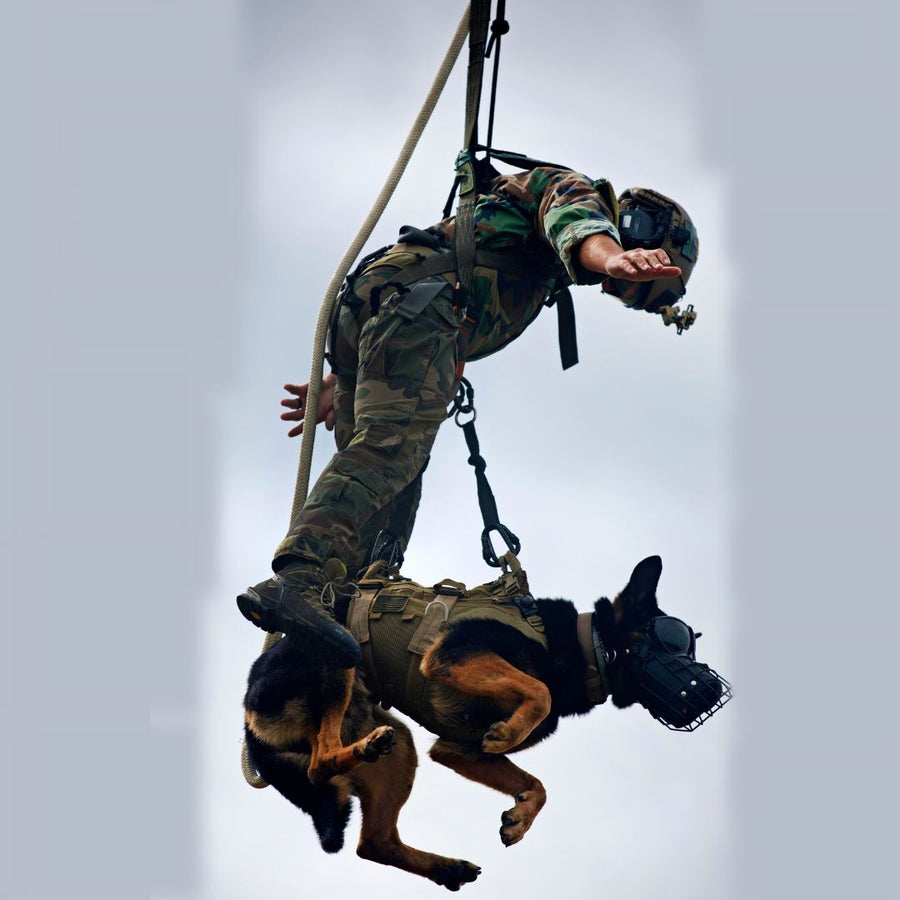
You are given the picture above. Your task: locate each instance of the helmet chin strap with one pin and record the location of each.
(596, 658)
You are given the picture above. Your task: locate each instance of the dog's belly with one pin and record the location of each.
(443, 711)
(450, 714)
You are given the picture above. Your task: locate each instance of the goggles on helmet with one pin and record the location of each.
(639, 227)
(650, 226)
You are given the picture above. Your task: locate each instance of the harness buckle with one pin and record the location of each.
(528, 607)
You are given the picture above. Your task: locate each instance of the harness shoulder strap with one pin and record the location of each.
(479, 20)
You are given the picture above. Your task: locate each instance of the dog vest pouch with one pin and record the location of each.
(396, 620)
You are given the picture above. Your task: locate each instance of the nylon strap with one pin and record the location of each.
(565, 322)
(519, 160)
(479, 20)
(499, 27)
(486, 502)
(421, 295)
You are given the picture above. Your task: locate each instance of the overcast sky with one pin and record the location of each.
(178, 182)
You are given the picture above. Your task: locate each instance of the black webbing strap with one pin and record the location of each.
(486, 502)
(519, 160)
(565, 323)
(499, 27)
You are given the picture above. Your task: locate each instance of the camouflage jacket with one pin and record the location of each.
(544, 215)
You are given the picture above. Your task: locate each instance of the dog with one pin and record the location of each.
(487, 687)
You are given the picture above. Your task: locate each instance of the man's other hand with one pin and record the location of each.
(296, 404)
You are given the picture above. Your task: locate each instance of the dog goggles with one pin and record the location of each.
(673, 635)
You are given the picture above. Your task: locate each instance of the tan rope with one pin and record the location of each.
(323, 322)
(325, 312)
(251, 776)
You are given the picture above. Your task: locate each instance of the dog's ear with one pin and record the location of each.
(637, 602)
(645, 577)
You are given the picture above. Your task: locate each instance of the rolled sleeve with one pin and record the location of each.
(572, 208)
(569, 240)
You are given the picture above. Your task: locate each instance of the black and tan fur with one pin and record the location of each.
(315, 733)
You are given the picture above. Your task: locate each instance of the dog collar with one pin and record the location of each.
(595, 659)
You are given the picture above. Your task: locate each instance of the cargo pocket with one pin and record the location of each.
(373, 340)
(425, 342)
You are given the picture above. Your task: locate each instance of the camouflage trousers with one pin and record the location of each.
(396, 375)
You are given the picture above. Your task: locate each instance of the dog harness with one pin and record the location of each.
(396, 620)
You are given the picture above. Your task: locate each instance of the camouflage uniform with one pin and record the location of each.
(396, 375)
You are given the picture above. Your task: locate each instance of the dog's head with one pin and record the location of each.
(652, 656)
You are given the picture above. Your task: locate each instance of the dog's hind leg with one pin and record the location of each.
(499, 773)
(329, 755)
(382, 790)
(489, 675)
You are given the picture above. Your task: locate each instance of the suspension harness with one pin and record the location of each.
(473, 174)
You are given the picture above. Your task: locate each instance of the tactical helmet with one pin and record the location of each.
(651, 220)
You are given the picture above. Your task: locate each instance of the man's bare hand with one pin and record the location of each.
(641, 265)
(297, 404)
(600, 253)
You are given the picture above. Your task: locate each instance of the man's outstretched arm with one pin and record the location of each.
(600, 253)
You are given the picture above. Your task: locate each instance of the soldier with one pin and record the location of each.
(404, 328)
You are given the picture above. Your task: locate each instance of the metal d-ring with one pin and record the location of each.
(446, 608)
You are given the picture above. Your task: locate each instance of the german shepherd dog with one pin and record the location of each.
(316, 733)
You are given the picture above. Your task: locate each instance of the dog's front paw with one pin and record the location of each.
(378, 743)
(454, 875)
(500, 738)
(518, 820)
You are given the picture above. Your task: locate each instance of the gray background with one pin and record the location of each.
(178, 182)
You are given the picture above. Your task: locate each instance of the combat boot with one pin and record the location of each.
(299, 601)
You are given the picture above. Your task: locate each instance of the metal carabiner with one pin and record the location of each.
(487, 548)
